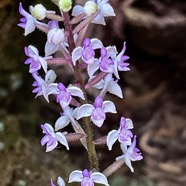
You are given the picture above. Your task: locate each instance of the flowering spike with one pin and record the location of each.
(69, 46)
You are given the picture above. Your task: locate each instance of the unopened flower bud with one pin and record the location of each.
(90, 8)
(65, 5)
(56, 36)
(39, 12)
(55, 2)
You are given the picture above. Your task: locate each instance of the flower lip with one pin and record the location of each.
(98, 114)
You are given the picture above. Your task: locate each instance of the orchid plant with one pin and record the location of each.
(79, 53)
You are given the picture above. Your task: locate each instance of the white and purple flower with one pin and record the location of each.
(103, 8)
(104, 63)
(131, 153)
(123, 134)
(51, 139)
(35, 61)
(45, 86)
(28, 22)
(87, 178)
(86, 53)
(97, 111)
(64, 95)
(119, 61)
(110, 85)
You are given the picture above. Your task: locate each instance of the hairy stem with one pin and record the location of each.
(94, 164)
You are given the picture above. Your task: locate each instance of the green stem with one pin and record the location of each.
(93, 159)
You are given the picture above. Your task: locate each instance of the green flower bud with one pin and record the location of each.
(90, 8)
(39, 12)
(65, 5)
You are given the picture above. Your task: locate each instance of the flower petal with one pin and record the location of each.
(129, 123)
(108, 106)
(128, 162)
(111, 138)
(51, 89)
(62, 122)
(50, 77)
(77, 10)
(48, 129)
(32, 51)
(85, 111)
(60, 181)
(112, 51)
(120, 157)
(98, 122)
(99, 178)
(51, 146)
(115, 69)
(30, 26)
(107, 10)
(50, 48)
(99, 19)
(76, 54)
(92, 68)
(75, 91)
(75, 176)
(115, 89)
(61, 138)
(43, 64)
(45, 140)
(96, 43)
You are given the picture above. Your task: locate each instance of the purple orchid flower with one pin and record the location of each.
(45, 86)
(35, 61)
(60, 182)
(64, 95)
(51, 138)
(123, 134)
(68, 116)
(86, 53)
(97, 111)
(130, 154)
(103, 8)
(110, 85)
(28, 22)
(104, 63)
(119, 61)
(87, 178)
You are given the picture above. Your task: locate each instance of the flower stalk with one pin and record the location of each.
(93, 159)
